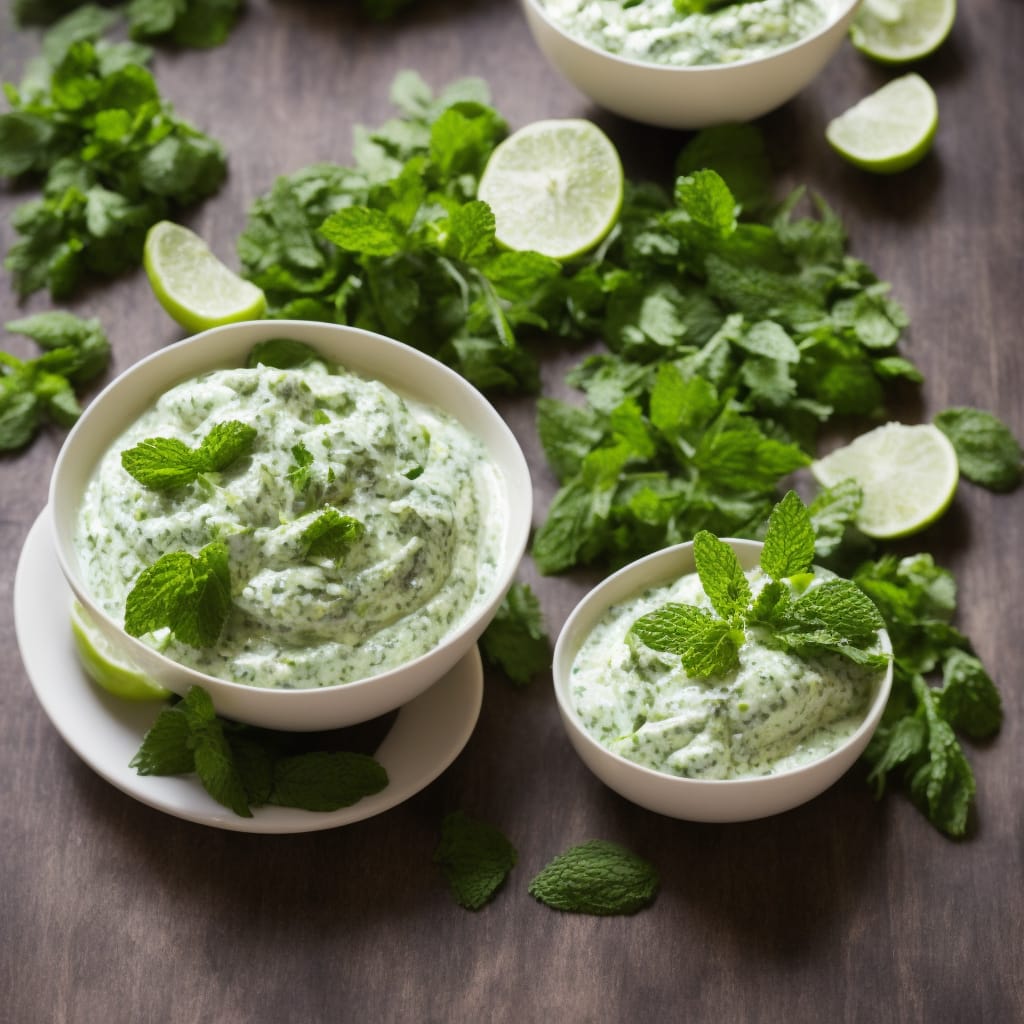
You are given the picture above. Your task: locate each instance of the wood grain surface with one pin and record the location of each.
(846, 909)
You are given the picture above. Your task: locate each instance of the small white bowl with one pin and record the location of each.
(404, 369)
(714, 800)
(689, 97)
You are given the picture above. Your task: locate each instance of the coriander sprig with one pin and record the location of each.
(835, 615)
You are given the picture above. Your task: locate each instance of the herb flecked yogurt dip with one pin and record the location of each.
(774, 712)
(422, 486)
(656, 32)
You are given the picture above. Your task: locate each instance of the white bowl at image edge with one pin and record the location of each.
(689, 97)
(402, 368)
(709, 800)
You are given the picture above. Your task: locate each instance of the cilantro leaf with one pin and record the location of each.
(515, 639)
(596, 877)
(986, 449)
(475, 859)
(189, 594)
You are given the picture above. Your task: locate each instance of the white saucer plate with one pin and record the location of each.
(427, 735)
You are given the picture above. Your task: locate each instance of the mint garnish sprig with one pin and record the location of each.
(835, 615)
(242, 767)
(164, 463)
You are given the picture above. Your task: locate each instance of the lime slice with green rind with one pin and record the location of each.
(890, 130)
(908, 475)
(195, 288)
(555, 187)
(900, 31)
(105, 666)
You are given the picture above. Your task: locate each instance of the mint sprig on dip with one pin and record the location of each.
(834, 615)
(163, 463)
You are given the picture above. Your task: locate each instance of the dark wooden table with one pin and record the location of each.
(845, 909)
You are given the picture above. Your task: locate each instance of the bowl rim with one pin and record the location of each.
(516, 482)
(838, 10)
(595, 604)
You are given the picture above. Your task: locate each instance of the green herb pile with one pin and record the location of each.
(88, 122)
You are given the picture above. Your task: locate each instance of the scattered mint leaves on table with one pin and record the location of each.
(596, 877)
(33, 391)
(243, 767)
(475, 858)
(515, 640)
(834, 615)
(164, 463)
(986, 449)
(188, 594)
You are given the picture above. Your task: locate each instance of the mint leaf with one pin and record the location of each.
(706, 646)
(161, 463)
(986, 449)
(968, 699)
(721, 575)
(190, 595)
(841, 607)
(475, 859)
(707, 201)
(515, 639)
(325, 781)
(300, 471)
(789, 543)
(596, 877)
(361, 229)
(331, 535)
(164, 463)
(282, 353)
(833, 511)
(165, 748)
(216, 768)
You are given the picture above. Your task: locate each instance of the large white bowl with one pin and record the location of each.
(689, 97)
(404, 369)
(693, 799)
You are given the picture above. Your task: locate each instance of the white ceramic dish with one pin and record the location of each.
(405, 370)
(683, 97)
(693, 799)
(105, 732)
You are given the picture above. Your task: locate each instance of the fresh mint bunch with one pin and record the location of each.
(242, 767)
(33, 391)
(475, 858)
(188, 594)
(596, 877)
(833, 615)
(89, 125)
(515, 639)
(164, 463)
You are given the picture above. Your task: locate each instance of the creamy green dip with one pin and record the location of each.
(654, 32)
(776, 711)
(423, 487)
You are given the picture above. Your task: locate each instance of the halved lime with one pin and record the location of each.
(908, 475)
(900, 31)
(105, 666)
(195, 288)
(555, 187)
(890, 130)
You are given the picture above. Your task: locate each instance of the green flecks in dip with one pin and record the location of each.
(428, 497)
(655, 32)
(775, 712)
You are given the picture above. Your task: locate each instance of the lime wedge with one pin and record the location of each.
(908, 475)
(105, 667)
(555, 187)
(195, 288)
(899, 31)
(890, 130)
